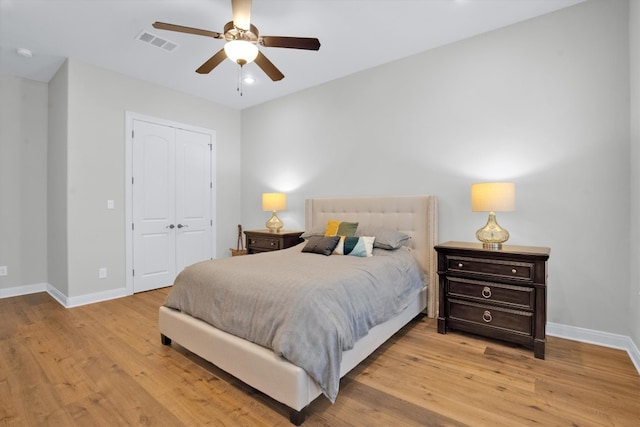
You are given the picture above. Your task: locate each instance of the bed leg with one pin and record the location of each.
(297, 417)
(165, 340)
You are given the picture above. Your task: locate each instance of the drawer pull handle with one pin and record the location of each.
(514, 271)
(486, 316)
(486, 292)
(272, 243)
(460, 265)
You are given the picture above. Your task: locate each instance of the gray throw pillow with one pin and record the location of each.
(386, 238)
(321, 245)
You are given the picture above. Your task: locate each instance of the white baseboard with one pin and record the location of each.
(69, 302)
(64, 300)
(57, 295)
(23, 290)
(96, 297)
(591, 336)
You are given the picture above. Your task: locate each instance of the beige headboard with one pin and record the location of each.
(416, 216)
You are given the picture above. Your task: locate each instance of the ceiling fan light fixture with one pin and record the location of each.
(241, 51)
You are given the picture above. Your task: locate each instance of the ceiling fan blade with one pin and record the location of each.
(212, 62)
(307, 43)
(241, 10)
(268, 67)
(189, 30)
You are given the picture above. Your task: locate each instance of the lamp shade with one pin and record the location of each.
(241, 51)
(493, 197)
(274, 201)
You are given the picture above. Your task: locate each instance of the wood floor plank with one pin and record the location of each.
(104, 365)
(62, 368)
(124, 395)
(33, 400)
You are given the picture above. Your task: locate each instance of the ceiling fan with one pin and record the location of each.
(242, 40)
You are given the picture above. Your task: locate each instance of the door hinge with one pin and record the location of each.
(133, 272)
(211, 222)
(210, 147)
(211, 185)
(132, 132)
(132, 226)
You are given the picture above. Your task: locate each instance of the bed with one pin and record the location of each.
(272, 374)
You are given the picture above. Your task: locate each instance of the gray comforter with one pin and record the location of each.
(306, 307)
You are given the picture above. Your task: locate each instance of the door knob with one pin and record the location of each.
(182, 226)
(171, 226)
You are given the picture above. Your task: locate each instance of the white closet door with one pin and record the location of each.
(172, 221)
(154, 246)
(193, 198)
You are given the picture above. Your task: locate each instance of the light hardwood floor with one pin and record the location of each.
(103, 365)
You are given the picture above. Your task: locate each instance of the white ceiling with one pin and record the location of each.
(354, 34)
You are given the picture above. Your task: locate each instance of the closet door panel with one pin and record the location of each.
(154, 248)
(193, 197)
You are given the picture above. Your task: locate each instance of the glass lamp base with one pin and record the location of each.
(492, 235)
(274, 224)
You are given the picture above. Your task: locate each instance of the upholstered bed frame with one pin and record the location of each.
(275, 376)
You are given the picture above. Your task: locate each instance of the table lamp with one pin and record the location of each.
(493, 197)
(274, 202)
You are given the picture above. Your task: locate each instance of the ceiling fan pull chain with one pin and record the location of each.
(239, 83)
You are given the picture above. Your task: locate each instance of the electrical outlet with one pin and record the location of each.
(3, 270)
(102, 273)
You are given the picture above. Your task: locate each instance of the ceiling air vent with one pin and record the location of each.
(156, 41)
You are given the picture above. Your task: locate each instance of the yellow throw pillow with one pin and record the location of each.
(340, 228)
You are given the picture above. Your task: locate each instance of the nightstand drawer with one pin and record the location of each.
(489, 316)
(518, 297)
(491, 268)
(264, 243)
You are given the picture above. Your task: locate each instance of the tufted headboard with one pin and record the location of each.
(416, 216)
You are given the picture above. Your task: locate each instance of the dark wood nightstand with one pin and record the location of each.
(266, 241)
(500, 294)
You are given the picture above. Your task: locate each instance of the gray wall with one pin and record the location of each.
(634, 49)
(96, 101)
(62, 151)
(62, 156)
(57, 246)
(23, 187)
(543, 103)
